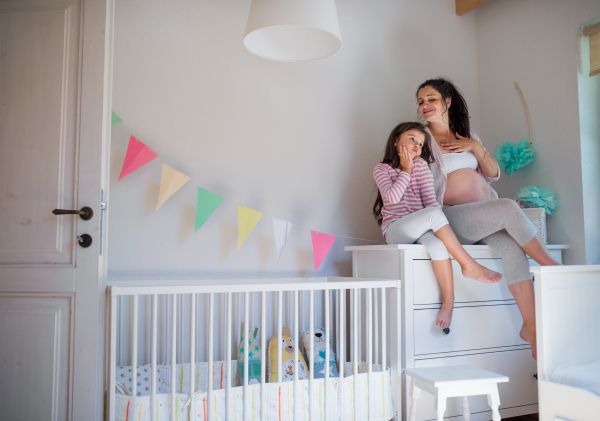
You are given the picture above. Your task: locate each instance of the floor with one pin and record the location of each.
(530, 417)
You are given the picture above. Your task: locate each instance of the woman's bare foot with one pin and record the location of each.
(445, 315)
(528, 335)
(481, 273)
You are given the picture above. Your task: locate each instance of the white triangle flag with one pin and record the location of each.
(282, 229)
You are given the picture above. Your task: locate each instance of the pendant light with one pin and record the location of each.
(293, 30)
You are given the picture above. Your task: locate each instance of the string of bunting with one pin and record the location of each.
(139, 154)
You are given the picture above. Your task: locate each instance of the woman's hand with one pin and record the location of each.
(460, 144)
(406, 160)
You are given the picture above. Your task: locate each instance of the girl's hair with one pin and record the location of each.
(458, 112)
(393, 160)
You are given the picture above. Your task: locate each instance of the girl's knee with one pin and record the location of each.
(435, 247)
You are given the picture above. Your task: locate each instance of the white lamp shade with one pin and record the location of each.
(293, 30)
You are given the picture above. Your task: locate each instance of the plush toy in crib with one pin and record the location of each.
(253, 352)
(287, 356)
(322, 340)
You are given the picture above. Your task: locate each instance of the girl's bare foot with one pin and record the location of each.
(528, 335)
(445, 315)
(481, 273)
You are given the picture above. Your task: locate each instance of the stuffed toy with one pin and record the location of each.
(287, 356)
(253, 358)
(322, 340)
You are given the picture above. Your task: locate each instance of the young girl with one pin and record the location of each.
(408, 212)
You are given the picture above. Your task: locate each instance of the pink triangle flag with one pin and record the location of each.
(321, 245)
(138, 154)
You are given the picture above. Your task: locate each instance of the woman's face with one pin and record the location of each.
(413, 141)
(431, 107)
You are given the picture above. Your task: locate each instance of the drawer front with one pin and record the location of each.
(521, 389)
(472, 328)
(426, 289)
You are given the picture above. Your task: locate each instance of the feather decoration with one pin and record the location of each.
(513, 156)
(534, 197)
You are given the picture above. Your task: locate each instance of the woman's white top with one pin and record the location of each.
(459, 160)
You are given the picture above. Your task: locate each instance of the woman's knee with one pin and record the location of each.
(508, 207)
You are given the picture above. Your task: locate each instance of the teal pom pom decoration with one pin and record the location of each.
(512, 157)
(533, 197)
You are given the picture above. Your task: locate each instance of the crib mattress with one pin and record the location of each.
(280, 402)
(584, 375)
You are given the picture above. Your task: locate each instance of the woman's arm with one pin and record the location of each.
(488, 166)
(391, 192)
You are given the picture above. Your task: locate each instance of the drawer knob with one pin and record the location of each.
(446, 330)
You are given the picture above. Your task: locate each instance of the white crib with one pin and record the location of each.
(567, 300)
(195, 327)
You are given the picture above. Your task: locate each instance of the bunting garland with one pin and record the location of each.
(138, 155)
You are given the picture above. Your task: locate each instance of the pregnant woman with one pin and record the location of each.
(462, 172)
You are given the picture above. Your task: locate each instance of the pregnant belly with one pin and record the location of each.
(466, 186)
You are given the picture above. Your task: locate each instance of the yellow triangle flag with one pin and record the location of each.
(171, 180)
(247, 220)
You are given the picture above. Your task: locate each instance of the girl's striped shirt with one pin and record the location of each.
(404, 193)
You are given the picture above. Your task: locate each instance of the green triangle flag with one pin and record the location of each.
(207, 203)
(115, 119)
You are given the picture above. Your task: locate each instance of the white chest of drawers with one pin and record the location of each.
(484, 331)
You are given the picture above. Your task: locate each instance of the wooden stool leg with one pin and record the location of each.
(494, 402)
(415, 395)
(466, 409)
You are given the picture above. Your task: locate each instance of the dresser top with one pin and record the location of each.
(422, 247)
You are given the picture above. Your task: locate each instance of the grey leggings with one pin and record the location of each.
(501, 225)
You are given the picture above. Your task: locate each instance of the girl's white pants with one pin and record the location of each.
(419, 227)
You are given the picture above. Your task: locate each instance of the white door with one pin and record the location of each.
(55, 65)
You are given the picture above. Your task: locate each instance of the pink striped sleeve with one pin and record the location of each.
(426, 185)
(391, 191)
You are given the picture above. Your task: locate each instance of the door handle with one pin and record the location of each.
(85, 213)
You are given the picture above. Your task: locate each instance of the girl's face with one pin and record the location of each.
(431, 107)
(413, 140)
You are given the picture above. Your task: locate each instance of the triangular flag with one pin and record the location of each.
(247, 220)
(282, 230)
(171, 180)
(114, 119)
(138, 154)
(207, 203)
(321, 245)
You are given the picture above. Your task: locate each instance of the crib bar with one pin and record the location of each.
(352, 325)
(153, 357)
(112, 369)
(229, 412)
(279, 336)
(173, 353)
(376, 306)
(297, 345)
(263, 360)
(369, 347)
(342, 345)
(327, 346)
(359, 307)
(134, 344)
(383, 330)
(192, 349)
(210, 370)
(311, 363)
(355, 345)
(245, 334)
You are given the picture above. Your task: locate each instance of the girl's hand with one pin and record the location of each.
(460, 144)
(406, 160)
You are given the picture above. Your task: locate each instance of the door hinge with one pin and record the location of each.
(102, 211)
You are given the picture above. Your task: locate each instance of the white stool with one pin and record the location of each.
(447, 382)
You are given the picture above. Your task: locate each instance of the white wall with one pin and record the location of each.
(536, 43)
(295, 141)
(589, 117)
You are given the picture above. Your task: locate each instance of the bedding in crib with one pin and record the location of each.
(584, 375)
(279, 400)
